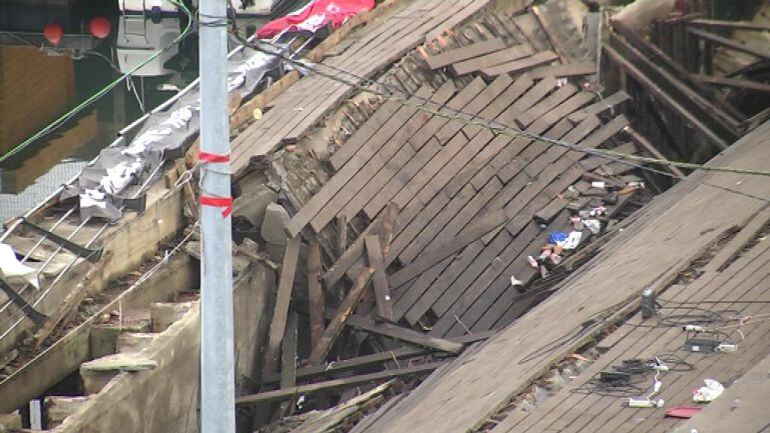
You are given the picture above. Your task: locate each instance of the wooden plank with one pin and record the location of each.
(351, 256)
(485, 291)
(632, 336)
(663, 97)
(471, 270)
(546, 105)
(417, 205)
(398, 38)
(521, 65)
(315, 293)
(369, 180)
(288, 363)
(607, 417)
(395, 42)
(568, 70)
(289, 352)
(433, 175)
(423, 136)
(338, 181)
(563, 163)
(343, 313)
(457, 18)
(674, 79)
(736, 25)
(431, 220)
(734, 83)
(430, 258)
(512, 147)
(380, 280)
(463, 53)
(731, 43)
(599, 107)
(417, 298)
(375, 358)
(389, 219)
(668, 88)
(405, 334)
(549, 212)
(636, 345)
(533, 191)
(342, 234)
(329, 385)
(640, 140)
(492, 59)
(551, 33)
(521, 174)
(281, 310)
(512, 93)
(363, 134)
(531, 29)
(490, 151)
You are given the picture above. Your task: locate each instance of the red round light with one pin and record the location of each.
(100, 27)
(53, 33)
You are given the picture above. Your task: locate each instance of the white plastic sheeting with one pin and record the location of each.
(103, 185)
(12, 271)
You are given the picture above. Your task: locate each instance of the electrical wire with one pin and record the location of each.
(98, 95)
(623, 380)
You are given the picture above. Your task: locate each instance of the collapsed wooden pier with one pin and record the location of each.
(401, 224)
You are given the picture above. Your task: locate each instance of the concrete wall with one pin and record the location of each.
(165, 399)
(66, 355)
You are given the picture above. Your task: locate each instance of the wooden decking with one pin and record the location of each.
(734, 290)
(663, 240)
(384, 41)
(466, 197)
(438, 211)
(741, 409)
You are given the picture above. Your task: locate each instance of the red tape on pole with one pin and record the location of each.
(223, 202)
(213, 157)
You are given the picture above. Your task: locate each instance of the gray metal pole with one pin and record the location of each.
(217, 352)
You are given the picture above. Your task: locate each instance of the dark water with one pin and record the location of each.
(40, 82)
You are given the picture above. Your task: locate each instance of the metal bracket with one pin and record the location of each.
(92, 255)
(30, 311)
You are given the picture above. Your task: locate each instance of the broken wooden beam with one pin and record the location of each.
(640, 140)
(599, 107)
(520, 65)
(730, 43)
(404, 334)
(288, 363)
(341, 316)
(733, 82)
(559, 71)
(342, 235)
(735, 25)
(282, 301)
(328, 385)
(663, 96)
(464, 53)
(428, 259)
(375, 358)
(492, 59)
(379, 280)
(315, 293)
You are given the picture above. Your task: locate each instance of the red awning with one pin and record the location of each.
(316, 15)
